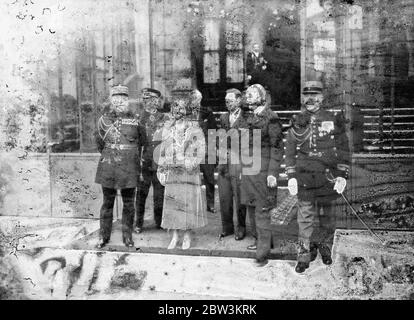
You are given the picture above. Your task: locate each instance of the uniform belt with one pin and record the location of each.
(118, 146)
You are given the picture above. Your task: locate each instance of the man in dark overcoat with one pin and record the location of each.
(261, 160)
(229, 174)
(120, 139)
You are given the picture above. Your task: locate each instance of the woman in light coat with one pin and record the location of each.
(183, 148)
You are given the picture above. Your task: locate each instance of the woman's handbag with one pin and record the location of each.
(283, 213)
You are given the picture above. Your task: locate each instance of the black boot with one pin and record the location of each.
(240, 234)
(128, 241)
(325, 254)
(304, 257)
(102, 243)
(313, 251)
(261, 262)
(301, 266)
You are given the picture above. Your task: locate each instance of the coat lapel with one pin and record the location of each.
(238, 120)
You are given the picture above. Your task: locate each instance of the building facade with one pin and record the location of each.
(361, 50)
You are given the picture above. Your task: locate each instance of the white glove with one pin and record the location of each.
(189, 164)
(161, 177)
(293, 186)
(259, 110)
(271, 181)
(340, 184)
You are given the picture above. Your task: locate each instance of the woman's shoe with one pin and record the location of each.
(186, 241)
(252, 246)
(174, 241)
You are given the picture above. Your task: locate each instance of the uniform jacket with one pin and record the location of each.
(120, 139)
(153, 124)
(316, 143)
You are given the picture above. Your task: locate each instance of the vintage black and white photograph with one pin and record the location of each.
(206, 150)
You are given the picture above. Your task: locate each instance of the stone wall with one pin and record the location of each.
(383, 191)
(61, 185)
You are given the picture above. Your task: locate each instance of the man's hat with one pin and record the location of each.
(182, 92)
(312, 87)
(122, 90)
(149, 92)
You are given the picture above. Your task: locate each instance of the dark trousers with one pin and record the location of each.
(229, 189)
(105, 222)
(264, 243)
(252, 211)
(208, 175)
(309, 230)
(263, 230)
(149, 177)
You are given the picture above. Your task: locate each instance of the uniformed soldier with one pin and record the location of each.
(153, 120)
(317, 164)
(120, 139)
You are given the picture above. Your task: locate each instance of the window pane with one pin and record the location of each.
(324, 54)
(212, 35)
(234, 36)
(211, 67)
(234, 63)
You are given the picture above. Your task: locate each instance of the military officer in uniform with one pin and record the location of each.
(229, 175)
(153, 120)
(120, 139)
(317, 165)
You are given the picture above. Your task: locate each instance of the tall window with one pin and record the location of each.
(211, 61)
(86, 70)
(234, 52)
